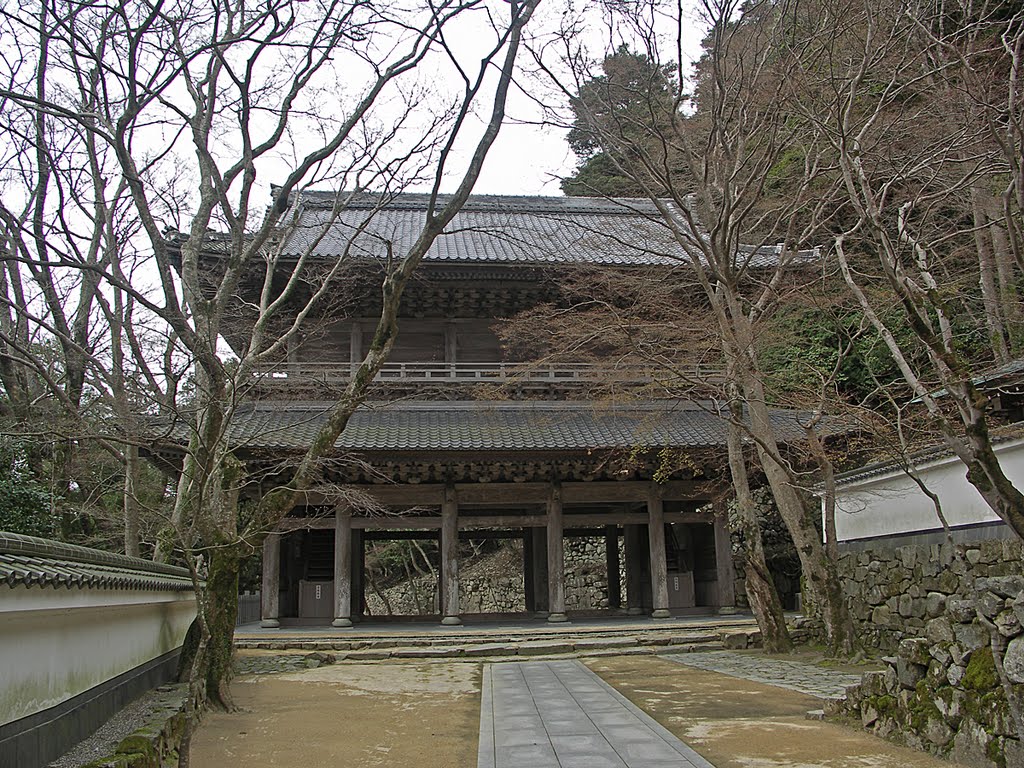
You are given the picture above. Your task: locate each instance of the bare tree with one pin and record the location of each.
(187, 104)
(919, 107)
(704, 159)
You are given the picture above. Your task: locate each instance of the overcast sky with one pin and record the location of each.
(531, 155)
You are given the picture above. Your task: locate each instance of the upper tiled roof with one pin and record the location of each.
(502, 229)
(495, 426)
(29, 561)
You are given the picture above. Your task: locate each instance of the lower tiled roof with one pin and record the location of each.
(494, 426)
(29, 561)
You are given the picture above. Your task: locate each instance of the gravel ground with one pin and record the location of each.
(139, 712)
(103, 742)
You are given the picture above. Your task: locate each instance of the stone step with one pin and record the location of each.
(377, 650)
(536, 649)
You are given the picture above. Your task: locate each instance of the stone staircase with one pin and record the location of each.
(607, 638)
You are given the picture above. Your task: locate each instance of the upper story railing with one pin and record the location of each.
(538, 374)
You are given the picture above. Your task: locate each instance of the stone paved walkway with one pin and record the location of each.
(803, 678)
(559, 714)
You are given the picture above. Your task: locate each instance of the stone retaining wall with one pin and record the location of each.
(953, 615)
(942, 691)
(495, 584)
(154, 745)
(894, 593)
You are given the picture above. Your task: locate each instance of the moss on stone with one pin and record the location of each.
(922, 707)
(994, 752)
(981, 671)
(884, 704)
(122, 760)
(138, 743)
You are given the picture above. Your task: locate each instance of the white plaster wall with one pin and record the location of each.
(56, 642)
(892, 503)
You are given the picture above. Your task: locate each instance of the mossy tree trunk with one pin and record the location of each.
(760, 587)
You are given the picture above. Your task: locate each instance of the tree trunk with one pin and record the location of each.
(761, 592)
(132, 468)
(819, 570)
(987, 278)
(221, 612)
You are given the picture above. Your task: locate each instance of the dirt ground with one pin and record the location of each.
(740, 724)
(425, 715)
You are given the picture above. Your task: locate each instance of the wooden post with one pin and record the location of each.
(632, 538)
(723, 561)
(556, 562)
(358, 576)
(529, 574)
(611, 556)
(450, 558)
(355, 347)
(342, 568)
(450, 347)
(659, 565)
(270, 597)
(540, 571)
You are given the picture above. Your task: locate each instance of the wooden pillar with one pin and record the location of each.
(611, 556)
(529, 573)
(540, 571)
(358, 578)
(633, 539)
(451, 346)
(355, 346)
(659, 565)
(556, 560)
(342, 568)
(723, 561)
(450, 558)
(270, 593)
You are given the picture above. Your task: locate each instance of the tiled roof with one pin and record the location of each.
(29, 561)
(494, 426)
(999, 436)
(502, 229)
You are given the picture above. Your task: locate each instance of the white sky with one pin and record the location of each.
(531, 156)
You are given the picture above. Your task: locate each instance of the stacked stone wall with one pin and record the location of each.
(893, 593)
(494, 584)
(586, 574)
(953, 614)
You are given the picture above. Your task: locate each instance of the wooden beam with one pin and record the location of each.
(487, 522)
(518, 494)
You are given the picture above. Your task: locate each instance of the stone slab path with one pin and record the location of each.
(802, 678)
(559, 714)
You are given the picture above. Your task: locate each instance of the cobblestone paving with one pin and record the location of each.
(794, 675)
(559, 714)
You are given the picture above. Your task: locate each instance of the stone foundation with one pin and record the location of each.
(495, 584)
(894, 593)
(953, 614)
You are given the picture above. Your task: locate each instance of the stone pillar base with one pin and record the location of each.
(556, 618)
(727, 610)
(451, 621)
(342, 622)
(270, 624)
(661, 613)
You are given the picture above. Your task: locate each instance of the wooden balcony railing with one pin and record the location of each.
(501, 372)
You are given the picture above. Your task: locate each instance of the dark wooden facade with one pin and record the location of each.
(504, 255)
